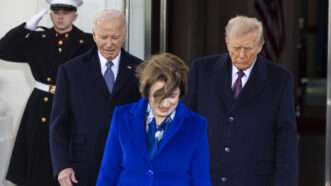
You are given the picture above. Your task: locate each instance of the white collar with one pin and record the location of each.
(150, 115)
(103, 62)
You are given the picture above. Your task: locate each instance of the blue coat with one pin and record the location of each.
(252, 139)
(82, 110)
(182, 159)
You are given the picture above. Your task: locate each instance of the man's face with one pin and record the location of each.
(62, 20)
(109, 37)
(243, 50)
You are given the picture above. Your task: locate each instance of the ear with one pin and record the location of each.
(94, 36)
(75, 16)
(260, 48)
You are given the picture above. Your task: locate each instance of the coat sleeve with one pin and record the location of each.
(16, 44)
(112, 157)
(200, 161)
(286, 171)
(60, 124)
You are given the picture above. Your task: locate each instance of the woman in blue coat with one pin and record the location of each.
(157, 141)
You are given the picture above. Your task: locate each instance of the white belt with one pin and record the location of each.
(45, 87)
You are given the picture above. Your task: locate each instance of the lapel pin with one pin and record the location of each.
(129, 67)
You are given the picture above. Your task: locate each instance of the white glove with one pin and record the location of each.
(33, 22)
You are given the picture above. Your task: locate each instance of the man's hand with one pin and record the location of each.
(67, 177)
(33, 22)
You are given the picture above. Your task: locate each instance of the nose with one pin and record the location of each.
(242, 53)
(165, 103)
(109, 42)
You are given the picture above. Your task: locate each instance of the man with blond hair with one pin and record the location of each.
(248, 102)
(88, 89)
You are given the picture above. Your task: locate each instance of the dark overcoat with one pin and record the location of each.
(82, 111)
(44, 50)
(252, 139)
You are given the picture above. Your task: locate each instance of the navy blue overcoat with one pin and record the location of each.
(82, 111)
(253, 139)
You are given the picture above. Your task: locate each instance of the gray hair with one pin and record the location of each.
(109, 15)
(242, 25)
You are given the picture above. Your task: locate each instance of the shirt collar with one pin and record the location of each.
(150, 115)
(103, 61)
(247, 71)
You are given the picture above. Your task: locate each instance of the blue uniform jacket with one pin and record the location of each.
(182, 159)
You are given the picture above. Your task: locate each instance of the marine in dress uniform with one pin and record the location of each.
(44, 49)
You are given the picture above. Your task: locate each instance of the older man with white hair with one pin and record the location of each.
(248, 102)
(87, 90)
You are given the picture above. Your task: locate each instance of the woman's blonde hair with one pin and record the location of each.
(164, 67)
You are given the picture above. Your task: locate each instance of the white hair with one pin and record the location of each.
(109, 15)
(242, 25)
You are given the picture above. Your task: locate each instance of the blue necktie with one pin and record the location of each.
(155, 135)
(109, 76)
(152, 142)
(237, 86)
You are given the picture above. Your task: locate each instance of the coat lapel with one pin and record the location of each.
(222, 81)
(124, 72)
(181, 113)
(137, 127)
(94, 77)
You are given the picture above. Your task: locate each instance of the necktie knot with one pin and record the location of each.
(240, 74)
(238, 84)
(109, 64)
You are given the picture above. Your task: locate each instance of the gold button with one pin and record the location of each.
(66, 35)
(60, 50)
(43, 36)
(45, 99)
(60, 42)
(49, 79)
(81, 41)
(44, 119)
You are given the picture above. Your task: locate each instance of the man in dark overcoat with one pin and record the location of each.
(248, 102)
(88, 89)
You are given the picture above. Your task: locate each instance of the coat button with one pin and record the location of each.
(45, 99)
(43, 119)
(231, 119)
(150, 172)
(60, 50)
(60, 42)
(49, 79)
(227, 149)
(224, 179)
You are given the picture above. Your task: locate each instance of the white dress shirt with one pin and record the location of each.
(245, 77)
(114, 68)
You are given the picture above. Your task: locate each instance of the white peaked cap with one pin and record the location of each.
(74, 3)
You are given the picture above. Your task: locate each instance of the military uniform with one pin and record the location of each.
(44, 51)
